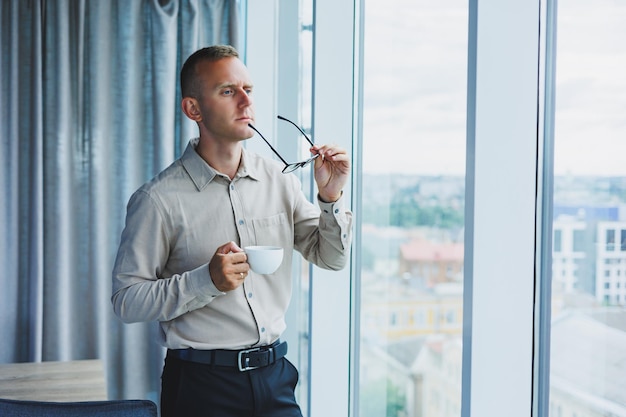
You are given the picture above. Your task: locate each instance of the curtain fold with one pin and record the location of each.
(89, 110)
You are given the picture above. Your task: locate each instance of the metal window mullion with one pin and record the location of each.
(333, 122)
(543, 293)
(501, 198)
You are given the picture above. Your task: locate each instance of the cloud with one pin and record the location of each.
(415, 80)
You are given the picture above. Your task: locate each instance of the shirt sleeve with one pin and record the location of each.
(140, 292)
(324, 239)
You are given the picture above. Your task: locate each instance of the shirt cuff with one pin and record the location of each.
(334, 208)
(340, 215)
(201, 282)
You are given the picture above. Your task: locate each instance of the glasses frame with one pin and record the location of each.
(289, 167)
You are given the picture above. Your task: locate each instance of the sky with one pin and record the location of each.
(415, 81)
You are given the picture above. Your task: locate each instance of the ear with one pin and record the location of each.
(191, 108)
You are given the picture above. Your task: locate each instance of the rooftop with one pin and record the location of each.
(589, 357)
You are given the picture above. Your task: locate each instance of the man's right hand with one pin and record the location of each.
(228, 267)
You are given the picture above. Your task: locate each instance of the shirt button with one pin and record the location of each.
(249, 295)
(241, 222)
(262, 329)
(232, 186)
(336, 211)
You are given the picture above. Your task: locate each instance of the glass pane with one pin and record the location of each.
(302, 271)
(414, 111)
(588, 334)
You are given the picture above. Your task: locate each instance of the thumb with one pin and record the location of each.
(228, 248)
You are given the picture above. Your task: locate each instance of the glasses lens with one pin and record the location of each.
(308, 161)
(291, 167)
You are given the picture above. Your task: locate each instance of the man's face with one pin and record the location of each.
(225, 100)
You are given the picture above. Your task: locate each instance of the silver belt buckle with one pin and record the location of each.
(247, 366)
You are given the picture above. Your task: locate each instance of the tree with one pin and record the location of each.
(382, 398)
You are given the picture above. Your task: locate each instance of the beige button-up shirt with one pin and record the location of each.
(176, 222)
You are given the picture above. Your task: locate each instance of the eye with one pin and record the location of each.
(248, 91)
(228, 92)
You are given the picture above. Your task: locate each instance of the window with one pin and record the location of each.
(587, 335)
(502, 109)
(414, 110)
(610, 240)
(557, 240)
(579, 241)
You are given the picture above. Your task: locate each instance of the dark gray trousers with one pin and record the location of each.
(190, 389)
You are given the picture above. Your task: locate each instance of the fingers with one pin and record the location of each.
(331, 171)
(229, 247)
(331, 153)
(336, 159)
(228, 267)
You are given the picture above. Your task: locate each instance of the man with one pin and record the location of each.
(180, 259)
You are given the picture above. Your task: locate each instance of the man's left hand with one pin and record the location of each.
(332, 169)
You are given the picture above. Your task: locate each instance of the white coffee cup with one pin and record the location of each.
(264, 259)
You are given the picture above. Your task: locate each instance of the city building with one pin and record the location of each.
(611, 263)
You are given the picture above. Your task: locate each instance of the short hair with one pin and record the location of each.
(189, 85)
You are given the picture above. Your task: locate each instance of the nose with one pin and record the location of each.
(245, 99)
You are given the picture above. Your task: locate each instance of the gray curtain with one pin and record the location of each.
(89, 110)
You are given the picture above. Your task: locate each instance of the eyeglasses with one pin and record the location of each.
(293, 166)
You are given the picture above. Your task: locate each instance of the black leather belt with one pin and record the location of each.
(244, 360)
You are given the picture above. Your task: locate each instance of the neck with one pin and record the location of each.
(224, 158)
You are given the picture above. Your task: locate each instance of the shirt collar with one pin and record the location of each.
(248, 166)
(202, 173)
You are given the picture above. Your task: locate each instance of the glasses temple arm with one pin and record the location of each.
(268, 144)
(297, 127)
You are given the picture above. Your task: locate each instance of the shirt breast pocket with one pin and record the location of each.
(273, 231)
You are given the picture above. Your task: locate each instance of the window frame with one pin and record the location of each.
(508, 177)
